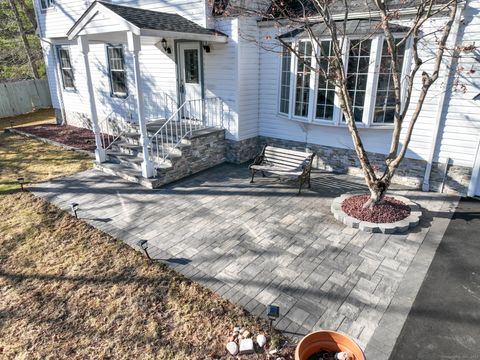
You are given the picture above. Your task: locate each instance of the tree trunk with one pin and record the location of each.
(29, 13)
(378, 188)
(28, 50)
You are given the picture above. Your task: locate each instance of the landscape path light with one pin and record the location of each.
(74, 207)
(273, 313)
(21, 181)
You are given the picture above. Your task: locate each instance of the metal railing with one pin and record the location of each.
(191, 116)
(116, 123)
(159, 105)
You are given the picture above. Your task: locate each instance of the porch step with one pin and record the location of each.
(128, 173)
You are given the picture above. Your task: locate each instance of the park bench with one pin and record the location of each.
(284, 163)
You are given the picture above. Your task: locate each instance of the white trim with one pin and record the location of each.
(372, 80)
(91, 13)
(183, 36)
(474, 180)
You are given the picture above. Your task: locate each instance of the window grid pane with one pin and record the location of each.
(302, 91)
(285, 81)
(191, 66)
(385, 98)
(117, 70)
(66, 70)
(357, 75)
(326, 87)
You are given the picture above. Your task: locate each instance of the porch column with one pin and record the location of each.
(85, 48)
(134, 46)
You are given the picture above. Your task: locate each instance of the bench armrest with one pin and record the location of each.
(259, 158)
(307, 167)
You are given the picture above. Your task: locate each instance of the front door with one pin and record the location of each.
(190, 74)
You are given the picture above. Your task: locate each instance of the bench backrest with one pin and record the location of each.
(285, 158)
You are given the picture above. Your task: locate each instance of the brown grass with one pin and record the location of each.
(44, 116)
(70, 291)
(35, 161)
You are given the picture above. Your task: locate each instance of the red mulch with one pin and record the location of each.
(389, 211)
(76, 137)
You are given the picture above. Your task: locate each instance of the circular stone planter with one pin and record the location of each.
(386, 228)
(327, 340)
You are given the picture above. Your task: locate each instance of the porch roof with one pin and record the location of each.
(141, 22)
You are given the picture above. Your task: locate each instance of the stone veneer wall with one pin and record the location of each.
(76, 119)
(205, 151)
(410, 172)
(238, 152)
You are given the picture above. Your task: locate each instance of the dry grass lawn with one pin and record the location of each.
(69, 291)
(44, 116)
(35, 161)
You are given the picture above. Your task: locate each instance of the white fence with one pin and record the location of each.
(21, 97)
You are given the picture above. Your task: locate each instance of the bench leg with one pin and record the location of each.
(253, 175)
(263, 174)
(301, 180)
(309, 183)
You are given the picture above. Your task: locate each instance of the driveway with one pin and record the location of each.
(444, 322)
(257, 244)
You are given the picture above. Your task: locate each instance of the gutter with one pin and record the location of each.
(446, 81)
(358, 15)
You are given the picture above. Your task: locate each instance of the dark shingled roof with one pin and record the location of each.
(155, 20)
(360, 27)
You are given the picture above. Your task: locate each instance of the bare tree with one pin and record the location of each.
(23, 35)
(29, 12)
(307, 14)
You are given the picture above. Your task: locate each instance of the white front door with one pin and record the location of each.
(190, 74)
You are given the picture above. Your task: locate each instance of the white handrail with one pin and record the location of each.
(192, 115)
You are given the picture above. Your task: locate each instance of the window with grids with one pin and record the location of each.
(385, 98)
(326, 86)
(357, 75)
(116, 63)
(303, 74)
(285, 81)
(45, 4)
(66, 69)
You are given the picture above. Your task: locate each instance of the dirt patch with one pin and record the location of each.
(76, 137)
(70, 291)
(391, 210)
(44, 116)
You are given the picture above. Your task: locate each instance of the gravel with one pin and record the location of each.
(391, 210)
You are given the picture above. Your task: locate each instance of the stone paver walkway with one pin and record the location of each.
(257, 244)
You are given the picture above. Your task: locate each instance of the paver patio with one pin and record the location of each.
(258, 244)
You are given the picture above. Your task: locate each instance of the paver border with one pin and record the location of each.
(381, 344)
(400, 226)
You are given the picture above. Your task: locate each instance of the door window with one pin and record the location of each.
(191, 66)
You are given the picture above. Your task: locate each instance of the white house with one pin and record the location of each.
(171, 87)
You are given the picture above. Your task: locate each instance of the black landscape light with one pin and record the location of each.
(144, 245)
(206, 48)
(21, 181)
(74, 207)
(273, 313)
(11, 124)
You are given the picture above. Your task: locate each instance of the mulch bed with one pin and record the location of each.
(76, 137)
(391, 210)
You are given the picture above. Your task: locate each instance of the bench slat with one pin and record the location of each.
(285, 163)
(287, 151)
(285, 156)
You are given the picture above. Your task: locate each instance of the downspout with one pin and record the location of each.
(52, 48)
(446, 81)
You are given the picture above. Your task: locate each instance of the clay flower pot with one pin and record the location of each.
(327, 340)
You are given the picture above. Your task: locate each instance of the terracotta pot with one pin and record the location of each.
(327, 340)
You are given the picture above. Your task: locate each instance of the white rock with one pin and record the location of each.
(280, 358)
(246, 346)
(236, 329)
(273, 351)
(261, 340)
(232, 348)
